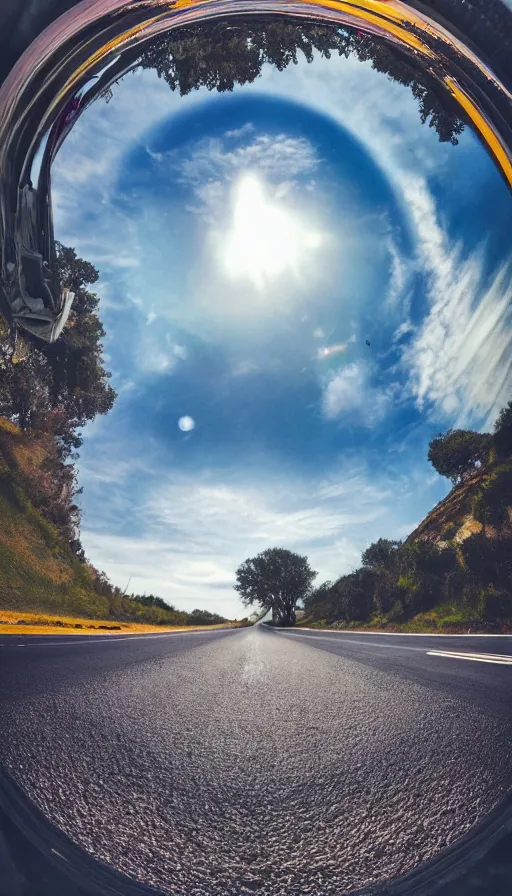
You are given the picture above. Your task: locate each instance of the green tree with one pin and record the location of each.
(276, 579)
(218, 55)
(459, 452)
(422, 570)
(353, 596)
(502, 436)
(55, 389)
(25, 383)
(79, 380)
(385, 594)
(59, 387)
(205, 617)
(319, 599)
(381, 554)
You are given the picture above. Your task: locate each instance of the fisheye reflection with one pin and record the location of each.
(255, 447)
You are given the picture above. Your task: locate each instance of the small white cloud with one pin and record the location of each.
(349, 392)
(156, 156)
(186, 424)
(180, 352)
(157, 353)
(155, 362)
(236, 133)
(150, 318)
(243, 368)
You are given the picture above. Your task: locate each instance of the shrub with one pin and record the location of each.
(397, 612)
(488, 560)
(459, 452)
(495, 605)
(493, 502)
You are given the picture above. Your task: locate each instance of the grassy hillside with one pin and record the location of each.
(452, 574)
(453, 519)
(38, 570)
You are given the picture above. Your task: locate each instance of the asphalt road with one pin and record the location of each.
(255, 760)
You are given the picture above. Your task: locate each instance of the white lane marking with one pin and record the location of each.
(500, 660)
(364, 643)
(471, 653)
(488, 657)
(396, 634)
(109, 639)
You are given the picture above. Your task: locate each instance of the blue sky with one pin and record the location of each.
(249, 245)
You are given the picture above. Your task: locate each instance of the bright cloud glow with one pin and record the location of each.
(265, 240)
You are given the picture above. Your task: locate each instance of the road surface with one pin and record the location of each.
(255, 760)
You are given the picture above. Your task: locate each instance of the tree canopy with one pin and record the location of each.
(55, 389)
(380, 554)
(218, 55)
(276, 579)
(459, 452)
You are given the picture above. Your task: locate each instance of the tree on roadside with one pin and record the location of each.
(319, 599)
(353, 595)
(459, 452)
(50, 391)
(276, 580)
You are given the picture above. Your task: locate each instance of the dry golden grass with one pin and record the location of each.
(44, 624)
(29, 450)
(26, 543)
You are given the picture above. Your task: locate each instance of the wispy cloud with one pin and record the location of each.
(399, 277)
(460, 358)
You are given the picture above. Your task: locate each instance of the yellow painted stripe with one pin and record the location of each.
(483, 127)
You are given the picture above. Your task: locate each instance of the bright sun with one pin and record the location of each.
(265, 240)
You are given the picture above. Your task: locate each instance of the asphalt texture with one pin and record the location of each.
(255, 760)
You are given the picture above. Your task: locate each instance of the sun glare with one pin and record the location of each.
(266, 240)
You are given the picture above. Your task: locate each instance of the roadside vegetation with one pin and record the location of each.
(452, 574)
(22, 623)
(41, 571)
(48, 393)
